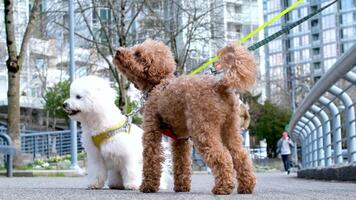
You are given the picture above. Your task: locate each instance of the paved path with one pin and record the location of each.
(272, 186)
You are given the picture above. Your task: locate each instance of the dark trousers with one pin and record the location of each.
(286, 162)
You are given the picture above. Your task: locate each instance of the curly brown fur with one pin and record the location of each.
(181, 150)
(233, 141)
(201, 107)
(244, 115)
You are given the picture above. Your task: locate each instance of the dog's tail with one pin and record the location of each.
(239, 68)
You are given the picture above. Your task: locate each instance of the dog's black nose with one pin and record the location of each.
(65, 105)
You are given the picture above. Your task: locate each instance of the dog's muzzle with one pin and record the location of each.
(68, 110)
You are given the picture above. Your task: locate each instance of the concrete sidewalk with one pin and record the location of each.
(274, 186)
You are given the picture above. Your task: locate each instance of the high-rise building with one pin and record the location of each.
(307, 51)
(233, 20)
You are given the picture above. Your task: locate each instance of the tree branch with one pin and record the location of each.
(112, 68)
(28, 31)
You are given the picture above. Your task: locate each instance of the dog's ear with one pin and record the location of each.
(159, 59)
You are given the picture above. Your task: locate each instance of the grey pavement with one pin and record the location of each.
(274, 185)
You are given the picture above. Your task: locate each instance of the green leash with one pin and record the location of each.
(287, 28)
(213, 59)
(269, 38)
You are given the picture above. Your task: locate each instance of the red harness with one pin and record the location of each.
(170, 134)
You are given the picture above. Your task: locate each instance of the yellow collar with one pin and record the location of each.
(107, 134)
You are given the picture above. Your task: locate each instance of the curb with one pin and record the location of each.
(338, 173)
(48, 173)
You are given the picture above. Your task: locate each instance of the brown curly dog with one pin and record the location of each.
(200, 107)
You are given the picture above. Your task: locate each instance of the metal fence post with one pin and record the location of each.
(319, 138)
(326, 134)
(349, 120)
(302, 137)
(308, 132)
(313, 140)
(305, 143)
(308, 146)
(336, 129)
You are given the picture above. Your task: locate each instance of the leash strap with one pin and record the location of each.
(213, 59)
(269, 38)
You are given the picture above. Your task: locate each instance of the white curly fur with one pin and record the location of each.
(119, 161)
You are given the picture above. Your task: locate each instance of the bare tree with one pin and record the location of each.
(127, 22)
(14, 64)
(183, 24)
(112, 32)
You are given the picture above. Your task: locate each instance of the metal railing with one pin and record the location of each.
(324, 123)
(46, 144)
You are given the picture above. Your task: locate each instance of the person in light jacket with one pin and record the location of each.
(284, 147)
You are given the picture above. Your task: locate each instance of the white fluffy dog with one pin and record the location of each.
(113, 147)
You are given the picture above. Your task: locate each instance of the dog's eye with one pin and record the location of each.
(78, 96)
(137, 54)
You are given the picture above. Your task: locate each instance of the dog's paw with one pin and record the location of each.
(132, 186)
(182, 188)
(245, 190)
(95, 186)
(223, 190)
(146, 188)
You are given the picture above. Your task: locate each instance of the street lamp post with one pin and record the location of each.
(73, 124)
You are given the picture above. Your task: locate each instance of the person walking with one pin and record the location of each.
(284, 147)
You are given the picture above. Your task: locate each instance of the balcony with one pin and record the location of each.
(233, 35)
(318, 72)
(234, 17)
(234, 1)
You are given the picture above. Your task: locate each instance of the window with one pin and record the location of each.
(314, 8)
(329, 35)
(303, 12)
(330, 9)
(296, 56)
(304, 27)
(275, 46)
(105, 14)
(347, 18)
(328, 21)
(330, 50)
(275, 59)
(347, 4)
(296, 42)
(233, 8)
(305, 40)
(315, 37)
(233, 27)
(346, 46)
(273, 29)
(41, 63)
(288, 44)
(273, 5)
(314, 23)
(276, 73)
(316, 51)
(317, 65)
(347, 33)
(305, 54)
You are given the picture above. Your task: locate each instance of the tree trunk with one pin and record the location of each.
(14, 64)
(13, 119)
(122, 41)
